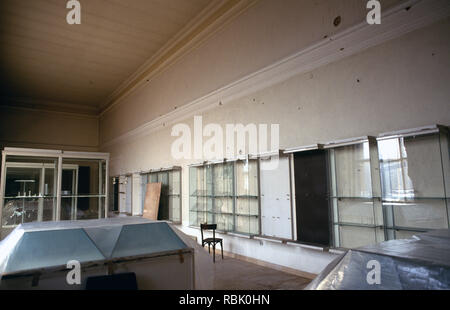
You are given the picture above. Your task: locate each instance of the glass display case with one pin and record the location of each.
(226, 194)
(247, 197)
(355, 194)
(50, 185)
(390, 188)
(29, 193)
(200, 195)
(415, 181)
(170, 199)
(35, 255)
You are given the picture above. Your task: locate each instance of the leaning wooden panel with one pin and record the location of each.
(151, 204)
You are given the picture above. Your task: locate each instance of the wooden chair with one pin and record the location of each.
(211, 241)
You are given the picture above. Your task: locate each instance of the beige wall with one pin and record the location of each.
(403, 84)
(51, 130)
(400, 84)
(269, 31)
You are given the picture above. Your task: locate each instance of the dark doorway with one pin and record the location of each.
(311, 191)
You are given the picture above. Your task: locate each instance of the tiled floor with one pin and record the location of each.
(234, 274)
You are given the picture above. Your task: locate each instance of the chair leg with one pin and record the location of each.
(221, 248)
(209, 248)
(214, 253)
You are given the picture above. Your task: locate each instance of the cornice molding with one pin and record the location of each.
(47, 146)
(49, 107)
(213, 18)
(402, 19)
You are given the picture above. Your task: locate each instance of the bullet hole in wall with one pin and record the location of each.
(337, 21)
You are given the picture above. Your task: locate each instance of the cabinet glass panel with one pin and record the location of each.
(413, 187)
(214, 199)
(44, 185)
(356, 236)
(223, 193)
(353, 171)
(29, 194)
(247, 198)
(356, 210)
(82, 189)
(200, 195)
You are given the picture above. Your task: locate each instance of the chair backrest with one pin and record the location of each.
(212, 227)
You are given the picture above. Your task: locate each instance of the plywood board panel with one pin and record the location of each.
(151, 204)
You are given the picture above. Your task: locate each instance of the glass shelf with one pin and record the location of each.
(360, 198)
(413, 199)
(249, 215)
(30, 197)
(358, 225)
(247, 197)
(213, 196)
(83, 196)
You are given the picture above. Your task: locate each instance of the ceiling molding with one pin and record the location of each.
(47, 146)
(49, 106)
(213, 18)
(404, 18)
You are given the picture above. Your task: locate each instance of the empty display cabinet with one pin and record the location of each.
(170, 199)
(49, 185)
(414, 167)
(35, 255)
(226, 194)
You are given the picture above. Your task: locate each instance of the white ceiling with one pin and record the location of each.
(44, 59)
